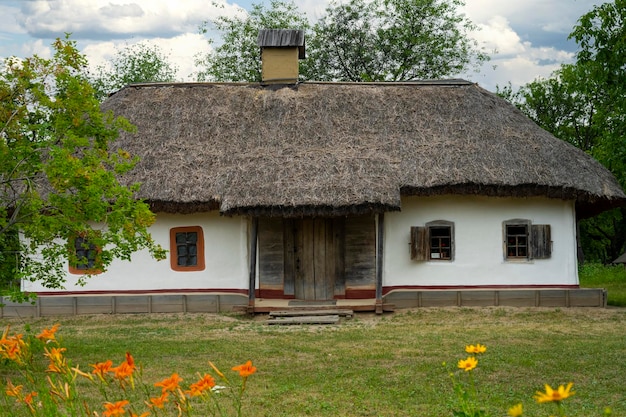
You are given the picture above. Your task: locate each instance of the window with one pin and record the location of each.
(434, 242)
(187, 248)
(524, 241)
(85, 257)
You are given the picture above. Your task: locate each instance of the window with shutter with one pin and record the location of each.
(525, 241)
(434, 242)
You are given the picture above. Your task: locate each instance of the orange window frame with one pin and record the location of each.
(199, 266)
(74, 269)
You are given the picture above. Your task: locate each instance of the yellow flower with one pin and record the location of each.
(468, 364)
(476, 349)
(245, 370)
(516, 410)
(557, 395)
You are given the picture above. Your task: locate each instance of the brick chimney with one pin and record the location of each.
(280, 51)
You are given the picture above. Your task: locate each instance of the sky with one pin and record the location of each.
(529, 36)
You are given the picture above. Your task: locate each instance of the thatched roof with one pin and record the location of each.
(340, 148)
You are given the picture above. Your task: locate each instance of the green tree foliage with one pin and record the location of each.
(392, 40)
(377, 40)
(237, 58)
(136, 63)
(58, 175)
(584, 103)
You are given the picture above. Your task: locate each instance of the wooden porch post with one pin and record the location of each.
(254, 230)
(379, 263)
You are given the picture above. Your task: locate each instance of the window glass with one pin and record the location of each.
(517, 241)
(440, 242)
(85, 257)
(186, 248)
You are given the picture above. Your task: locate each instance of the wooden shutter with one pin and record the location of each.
(419, 243)
(541, 242)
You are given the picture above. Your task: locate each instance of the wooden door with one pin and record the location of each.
(315, 258)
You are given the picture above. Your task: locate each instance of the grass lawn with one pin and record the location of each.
(612, 278)
(389, 365)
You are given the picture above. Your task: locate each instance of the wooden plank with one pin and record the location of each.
(478, 298)
(306, 257)
(332, 319)
(319, 259)
(360, 252)
(289, 273)
(254, 240)
(311, 312)
(339, 238)
(587, 297)
(329, 264)
(271, 254)
(56, 306)
(380, 243)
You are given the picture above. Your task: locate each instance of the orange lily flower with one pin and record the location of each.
(125, 369)
(169, 384)
(115, 409)
(159, 402)
(47, 335)
(204, 384)
(55, 354)
(102, 368)
(245, 370)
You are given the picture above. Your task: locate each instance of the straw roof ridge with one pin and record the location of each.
(343, 148)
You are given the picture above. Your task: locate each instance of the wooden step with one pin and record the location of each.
(312, 312)
(319, 319)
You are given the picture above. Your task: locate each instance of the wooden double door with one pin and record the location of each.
(315, 258)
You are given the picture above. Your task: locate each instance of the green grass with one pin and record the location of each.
(612, 278)
(389, 365)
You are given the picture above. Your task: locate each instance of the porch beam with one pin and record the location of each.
(254, 231)
(379, 263)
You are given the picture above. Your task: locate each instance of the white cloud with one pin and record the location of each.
(179, 50)
(530, 38)
(101, 19)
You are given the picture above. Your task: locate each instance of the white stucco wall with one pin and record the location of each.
(225, 251)
(478, 254)
(478, 237)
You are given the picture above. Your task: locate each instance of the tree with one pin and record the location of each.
(59, 179)
(136, 63)
(392, 40)
(378, 40)
(584, 103)
(237, 58)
